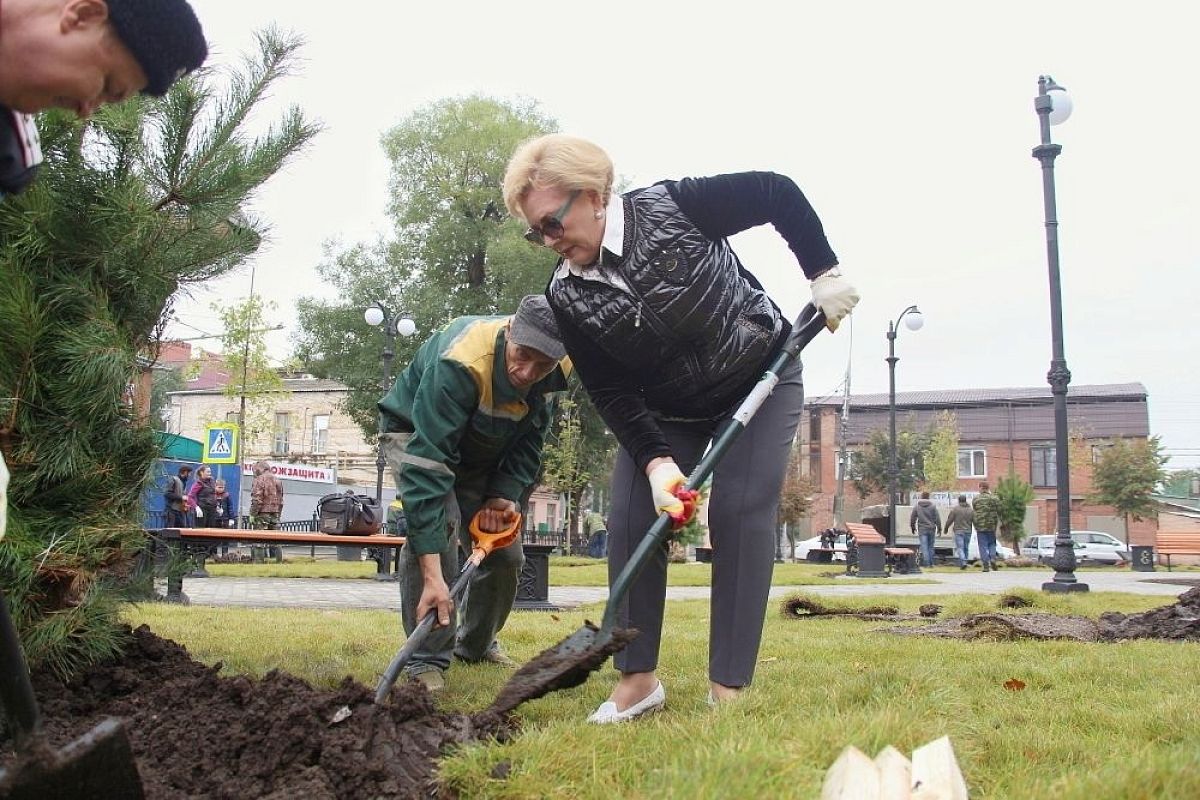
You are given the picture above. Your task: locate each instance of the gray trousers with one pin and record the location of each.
(485, 607)
(742, 518)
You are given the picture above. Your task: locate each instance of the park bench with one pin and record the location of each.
(196, 542)
(823, 555)
(874, 558)
(1176, 544)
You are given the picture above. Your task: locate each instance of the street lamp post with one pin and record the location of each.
(913, 323)
(1053, 106)
(377, 315)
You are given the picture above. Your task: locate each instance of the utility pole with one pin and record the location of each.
(839, 499)
(245, 367)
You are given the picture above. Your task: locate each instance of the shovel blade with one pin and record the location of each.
(566, 664)
(98, 764)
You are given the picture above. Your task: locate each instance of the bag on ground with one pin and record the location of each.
(348, 514)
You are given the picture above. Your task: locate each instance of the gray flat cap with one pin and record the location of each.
(533, 326)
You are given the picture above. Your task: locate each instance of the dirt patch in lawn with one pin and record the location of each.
(1179, 621)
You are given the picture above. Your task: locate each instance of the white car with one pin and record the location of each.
(803, 547)
(1090, 546)
(1002, 551)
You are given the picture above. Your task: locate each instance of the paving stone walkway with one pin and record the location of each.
(327, 593)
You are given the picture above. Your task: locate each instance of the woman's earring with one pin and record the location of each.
(599, 214)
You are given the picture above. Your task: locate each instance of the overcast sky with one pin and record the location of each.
(908, 125)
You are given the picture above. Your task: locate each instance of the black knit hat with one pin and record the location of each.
(163, 35)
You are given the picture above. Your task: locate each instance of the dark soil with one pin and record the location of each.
(196, 734)
(1179, 621)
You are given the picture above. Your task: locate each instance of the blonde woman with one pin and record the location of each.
(669, 331)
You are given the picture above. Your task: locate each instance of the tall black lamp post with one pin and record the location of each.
(377, 315)
(913, 323)
(1053, 105)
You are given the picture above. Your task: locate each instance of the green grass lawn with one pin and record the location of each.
(564, 571)
(1094, 720)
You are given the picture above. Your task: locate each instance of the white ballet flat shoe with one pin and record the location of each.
(607, 712)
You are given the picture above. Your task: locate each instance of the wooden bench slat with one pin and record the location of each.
(1177, 543)
(285, 537)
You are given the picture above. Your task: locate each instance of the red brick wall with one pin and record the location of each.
(1000, 455)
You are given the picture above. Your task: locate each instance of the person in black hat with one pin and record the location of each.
(79, 55)
(463, 428)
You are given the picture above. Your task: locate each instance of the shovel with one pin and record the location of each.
(98, 764)
(484, 543)
(570, 662)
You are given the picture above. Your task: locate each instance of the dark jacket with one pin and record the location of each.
(223, 502)
(175, 494)
(695, 329)
(925, 517)
(20, 151)
(960, 519)
(202, 492)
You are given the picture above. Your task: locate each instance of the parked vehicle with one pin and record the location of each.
(943, 547)
(803, 547)
(1002, 551)
(1090, 546)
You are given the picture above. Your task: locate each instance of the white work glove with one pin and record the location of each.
(834, 296)
(664, 480)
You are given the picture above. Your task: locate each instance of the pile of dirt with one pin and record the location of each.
(195, 733)
(1179, 621)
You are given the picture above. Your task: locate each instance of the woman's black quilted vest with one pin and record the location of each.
(697, 331)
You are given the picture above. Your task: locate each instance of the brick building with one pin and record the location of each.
(998, 428)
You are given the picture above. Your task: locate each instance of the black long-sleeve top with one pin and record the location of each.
(719, 206)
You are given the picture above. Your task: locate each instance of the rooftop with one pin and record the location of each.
(1026, 395)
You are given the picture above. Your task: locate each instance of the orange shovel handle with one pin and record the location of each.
(487, 541)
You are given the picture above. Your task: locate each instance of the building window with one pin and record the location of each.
(552, 516)
(283, 433)
(1098, 451)
(231, 417)
(320, 434)
(1042, 470)
(972, 463)
(851, 466)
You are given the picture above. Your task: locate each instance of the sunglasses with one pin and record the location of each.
(552, 225)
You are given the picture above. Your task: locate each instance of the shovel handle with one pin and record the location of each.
(420, 633)
(16, 692)
(487, 541)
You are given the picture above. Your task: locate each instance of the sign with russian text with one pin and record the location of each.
(288, 471)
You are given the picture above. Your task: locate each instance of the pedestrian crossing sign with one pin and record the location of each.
(220, 444)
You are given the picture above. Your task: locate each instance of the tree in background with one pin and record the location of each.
(253, 381)
(796, 496)
(162, 383)
(870, 471)
(453, 250)
(1180, 482)
(565, 466)
(941, 454)
(1014, 494)
(131, 204)
(1126, 475)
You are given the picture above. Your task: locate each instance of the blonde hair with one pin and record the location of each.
(560, 161)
